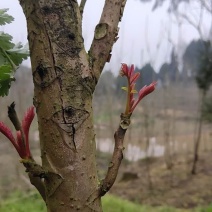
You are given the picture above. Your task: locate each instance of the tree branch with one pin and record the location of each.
(117, 157)
(105, 35)
(35, 173)
(207, 7)
(82, 6)
(39, 185)
(196, 26)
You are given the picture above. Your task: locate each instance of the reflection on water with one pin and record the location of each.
(132, 152)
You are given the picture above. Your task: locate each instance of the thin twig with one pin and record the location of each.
(117, 157)
(207, 7)
(36, 173)
(196, 26)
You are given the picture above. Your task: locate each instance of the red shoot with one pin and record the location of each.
(26, 122)
(21, 143)
(131, 79)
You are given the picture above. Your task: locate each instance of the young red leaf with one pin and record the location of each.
(21, 150)
(26, 122)
(7, 132)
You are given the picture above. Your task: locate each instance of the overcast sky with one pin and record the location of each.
(143, 35)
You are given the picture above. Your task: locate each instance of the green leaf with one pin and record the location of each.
(18, 53)
(5, 41)
(5, 72)
(4, 87)
(3, 59)
(11, 55)
(133, 91)
(124, 88)
(5, 79)
(4, 17)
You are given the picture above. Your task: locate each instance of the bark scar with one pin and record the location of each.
(42, 78)
(73, 118)
(53, 181)
(101, 31)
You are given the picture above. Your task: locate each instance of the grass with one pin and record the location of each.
(18, 202)
(114, 204)
(32, 202)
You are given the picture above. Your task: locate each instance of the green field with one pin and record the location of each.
(33, 203)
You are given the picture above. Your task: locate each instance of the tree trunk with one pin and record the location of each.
(199, 133)
(65, 77)
(148, 157)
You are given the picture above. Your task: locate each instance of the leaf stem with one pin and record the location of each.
(128, 97)
(10, 61)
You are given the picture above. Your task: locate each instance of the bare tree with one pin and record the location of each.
(202, 75)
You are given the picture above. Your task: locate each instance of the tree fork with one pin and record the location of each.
(65, 77)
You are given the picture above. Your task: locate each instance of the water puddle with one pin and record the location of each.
(132, 152)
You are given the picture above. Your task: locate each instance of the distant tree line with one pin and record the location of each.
(173, 4)
(169, 73)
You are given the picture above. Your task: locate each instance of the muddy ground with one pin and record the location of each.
(153, 184)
